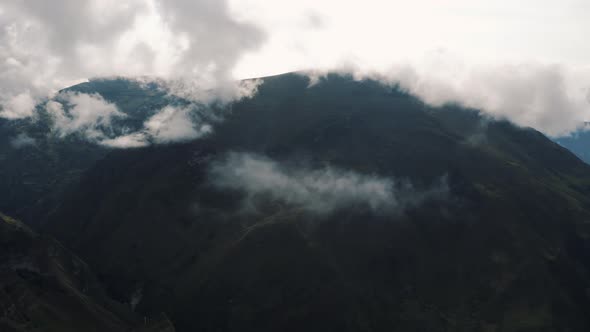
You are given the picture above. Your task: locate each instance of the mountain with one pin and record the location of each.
(38, 165)
(44, 287)
(283, 218)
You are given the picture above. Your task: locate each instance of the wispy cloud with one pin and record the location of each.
(537, 77)
(92, 117)
(128, 141)
(316, 190)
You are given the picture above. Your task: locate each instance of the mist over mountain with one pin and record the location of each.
(346, 205)
(255, 165)
(44, 155)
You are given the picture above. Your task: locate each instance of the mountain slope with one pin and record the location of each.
(504, 249)
(38, 165)
(43, 287)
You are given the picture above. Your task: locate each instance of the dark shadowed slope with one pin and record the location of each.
(44, 287)
(504, 247)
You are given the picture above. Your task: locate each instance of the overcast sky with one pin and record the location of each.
(524, 60)
(380, 32)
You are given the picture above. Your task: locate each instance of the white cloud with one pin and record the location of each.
(319, 191)
(46, 46)
(173, 124)
(550, 98)
(135, 140)
(526, 60)
(17, 107)
(169, 125)
(200, 91)
(88, 114)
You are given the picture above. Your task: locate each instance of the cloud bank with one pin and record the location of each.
(551, 98)
(526, 61)
(46, 46)
(317, 191)
(87, 114)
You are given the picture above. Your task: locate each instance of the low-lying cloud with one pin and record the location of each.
(191, 45)
(19, 106)
(550, 98)
(173, 124)
(526, 61)
(92, 118)
(553, 99)
(169, 125)
(128, 141)
(86, 114)
(316, 190)
(191, 48)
